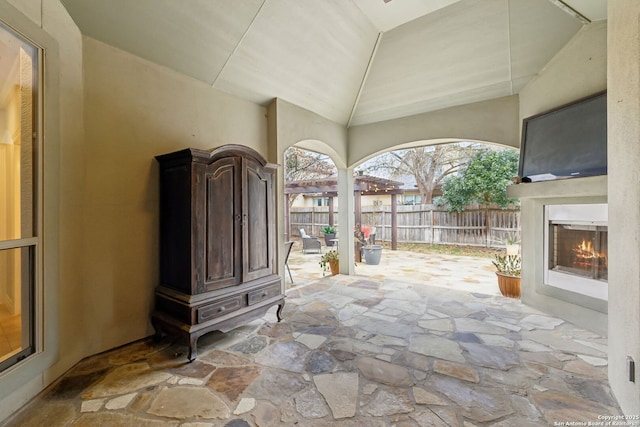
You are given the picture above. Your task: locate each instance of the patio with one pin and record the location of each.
(416, 341)
(470, 274)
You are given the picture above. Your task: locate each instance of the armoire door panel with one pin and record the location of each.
(221, 219)
(257, 247)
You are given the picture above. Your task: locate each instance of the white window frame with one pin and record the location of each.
(36, 323)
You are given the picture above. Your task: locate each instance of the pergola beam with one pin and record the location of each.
(325, 189)
(363, 185)
(367, 184)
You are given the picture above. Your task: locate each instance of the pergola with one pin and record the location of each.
(364, 185)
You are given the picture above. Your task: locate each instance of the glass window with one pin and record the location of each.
(19, 237)
(321, 201)
(412, 199)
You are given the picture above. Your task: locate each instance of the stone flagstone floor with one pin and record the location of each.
(351, 351)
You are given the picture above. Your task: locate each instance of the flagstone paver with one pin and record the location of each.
(91, 405)
(319, 362)
(490, 356)
(388, 349)
(340, 391)
(310, 404)
(541, 322)
(245, 405)
(120, 402)
(435, 346)
(188, 402)
(424, 397)
(456, 370)
(125, 379)
(444, 325)
(387, 402)
(287, 355)
(384, 372)
(232, 381)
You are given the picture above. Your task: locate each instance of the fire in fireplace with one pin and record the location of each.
(576, 249)
(579, 250)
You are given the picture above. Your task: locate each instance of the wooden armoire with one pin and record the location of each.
(217, 242)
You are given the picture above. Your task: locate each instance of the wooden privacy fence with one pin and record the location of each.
(476, 226)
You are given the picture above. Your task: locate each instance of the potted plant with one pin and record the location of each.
(509, 268)
(330, 261)
(329, 234)
(372, 253)
(512, 244)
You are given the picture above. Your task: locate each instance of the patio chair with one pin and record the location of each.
(310, 243)
(287, 248)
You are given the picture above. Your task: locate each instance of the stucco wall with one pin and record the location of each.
(578, 70)
(295, 125)
(623, 115)
(135, 110)
(72, 171)
(289, 125)
(494, 121)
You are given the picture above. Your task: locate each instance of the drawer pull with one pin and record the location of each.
(221, 309)
(264, 294)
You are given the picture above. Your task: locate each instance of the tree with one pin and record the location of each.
(429, 166)
(483, 181)
(303, 164)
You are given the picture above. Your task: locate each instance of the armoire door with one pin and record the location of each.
(258, 221)
(222, 220)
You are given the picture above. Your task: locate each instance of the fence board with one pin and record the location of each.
(476, 226)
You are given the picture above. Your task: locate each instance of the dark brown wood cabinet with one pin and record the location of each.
(217, 241)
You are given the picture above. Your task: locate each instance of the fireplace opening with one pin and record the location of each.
(580, 250)
(576, 249)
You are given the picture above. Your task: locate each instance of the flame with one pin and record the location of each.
(585, 252)
(586, 248)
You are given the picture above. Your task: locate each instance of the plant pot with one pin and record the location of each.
(328, 239)
(509, 285)
(372, 254)
(513, 249)
(334, 266)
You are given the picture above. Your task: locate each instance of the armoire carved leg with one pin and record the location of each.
(279, 312)
(193, 349)
(158, 329)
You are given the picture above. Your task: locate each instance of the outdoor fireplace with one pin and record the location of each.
(576, 256)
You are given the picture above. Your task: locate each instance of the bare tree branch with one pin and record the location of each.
(304, 164)
(428, 165)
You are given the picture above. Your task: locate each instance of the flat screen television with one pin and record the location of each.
(566, 142)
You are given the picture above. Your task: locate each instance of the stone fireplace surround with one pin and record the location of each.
(582, 310)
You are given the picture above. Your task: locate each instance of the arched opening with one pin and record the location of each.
(453, 200)
(411, 225)
(310, 181)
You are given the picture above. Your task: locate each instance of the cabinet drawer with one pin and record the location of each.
(220, 308)
(262, 294)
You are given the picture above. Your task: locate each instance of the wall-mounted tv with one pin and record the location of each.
(567, 142)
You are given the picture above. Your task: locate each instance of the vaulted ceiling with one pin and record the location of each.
(351, 61)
